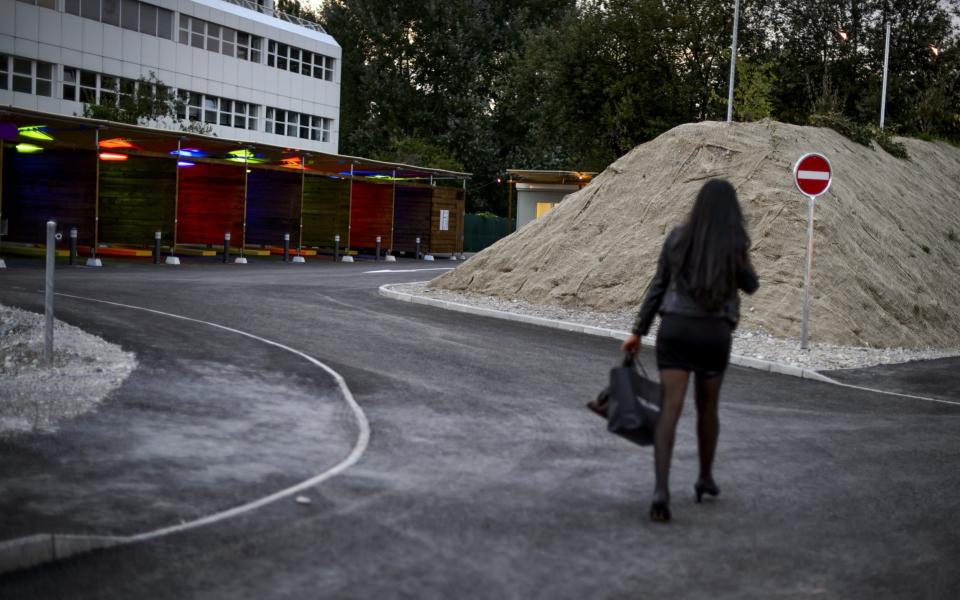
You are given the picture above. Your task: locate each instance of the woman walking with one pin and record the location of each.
(702, 265)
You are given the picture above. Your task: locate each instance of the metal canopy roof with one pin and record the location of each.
(554, 177)
(43, 130)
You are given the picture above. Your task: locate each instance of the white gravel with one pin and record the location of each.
(35, 398)
(754, 344)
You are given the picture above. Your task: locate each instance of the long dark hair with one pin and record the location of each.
(712, 246)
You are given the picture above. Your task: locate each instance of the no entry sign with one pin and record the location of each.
(812, 174)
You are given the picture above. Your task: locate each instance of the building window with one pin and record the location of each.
(293, 124)
(44, 3)
(4, 72)
(129, 14)
(216, 111)
(29, 76)
(297, 60)
(217, 38)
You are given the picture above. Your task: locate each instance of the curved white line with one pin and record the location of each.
(359, 447)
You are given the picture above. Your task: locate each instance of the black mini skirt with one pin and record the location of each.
(699, 344)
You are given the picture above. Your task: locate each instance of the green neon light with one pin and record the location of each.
(28, 149)
(241, 154)
(249, 161)
(35, 132)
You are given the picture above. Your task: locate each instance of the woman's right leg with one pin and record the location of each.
(707, 393)
(674, 383)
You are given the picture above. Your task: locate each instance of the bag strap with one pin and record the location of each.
(630, 360)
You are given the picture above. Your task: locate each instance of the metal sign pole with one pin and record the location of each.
(176, 198)
(805, 323)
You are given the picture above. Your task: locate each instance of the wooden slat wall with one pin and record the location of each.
(371, 214)
(326, 210)
(411, 217)
(273, 206)
(137, 198)
(53, 184)
(211, 203)
(447, 242)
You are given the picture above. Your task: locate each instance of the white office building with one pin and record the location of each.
(246, 71)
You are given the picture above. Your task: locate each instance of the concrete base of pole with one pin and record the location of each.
(427, 257)
(454, 257)
(299, 260)
(390, 258)
(347, 259)
(3, 265)
(94, 262)
(240, 260)
(172, 260)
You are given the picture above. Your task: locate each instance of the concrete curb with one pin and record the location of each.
(735, 359)
(33, 550)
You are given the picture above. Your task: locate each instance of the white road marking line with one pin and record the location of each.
(818, 175)
(410, 270)
(359, 447)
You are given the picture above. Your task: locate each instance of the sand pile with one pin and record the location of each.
(887, 234)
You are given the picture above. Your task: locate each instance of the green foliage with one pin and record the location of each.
(420, 152)
(752, 94)
(567, 84)
(149, 99)
(146, 101)
(862, 134)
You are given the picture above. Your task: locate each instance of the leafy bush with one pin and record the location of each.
(862, 134)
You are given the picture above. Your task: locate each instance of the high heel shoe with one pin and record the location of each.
(660, 510)
(703, 487)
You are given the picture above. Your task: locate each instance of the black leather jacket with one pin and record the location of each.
(667, 295)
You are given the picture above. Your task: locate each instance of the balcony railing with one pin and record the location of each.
(252, 5)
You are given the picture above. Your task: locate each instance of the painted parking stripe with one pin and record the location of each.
(359, 447)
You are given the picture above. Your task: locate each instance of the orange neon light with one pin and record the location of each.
(292, 162)
(113, 156)
(114, 143)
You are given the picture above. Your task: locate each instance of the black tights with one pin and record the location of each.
(707, 392)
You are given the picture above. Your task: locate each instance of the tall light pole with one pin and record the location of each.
(733, 60)
(886, 63)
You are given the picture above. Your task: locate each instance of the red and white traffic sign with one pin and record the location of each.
(812, 174)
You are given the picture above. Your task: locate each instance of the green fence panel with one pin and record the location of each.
(480, 231)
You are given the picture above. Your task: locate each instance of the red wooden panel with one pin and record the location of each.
(412, 217)
(371, 214)
(210, 203)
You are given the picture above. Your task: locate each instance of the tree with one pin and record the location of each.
(146, 101)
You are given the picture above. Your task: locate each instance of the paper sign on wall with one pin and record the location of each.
(444, 220)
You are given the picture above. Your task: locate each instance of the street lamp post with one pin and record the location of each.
(733, 61)
(886, 63)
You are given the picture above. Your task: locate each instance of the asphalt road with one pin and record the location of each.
(485, 477)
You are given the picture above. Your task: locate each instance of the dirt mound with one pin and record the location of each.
(887, 234)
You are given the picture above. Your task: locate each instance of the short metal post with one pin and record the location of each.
(377, 257)
(336, 248)
(156, 247)
(286, 247)
(48, 293)
(73, 246)
(226, 247)
(418, 248)
(804, 325)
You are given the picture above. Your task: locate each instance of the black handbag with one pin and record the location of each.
(631, 404)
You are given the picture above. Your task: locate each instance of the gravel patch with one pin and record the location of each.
(35, 398)
(753, 344)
